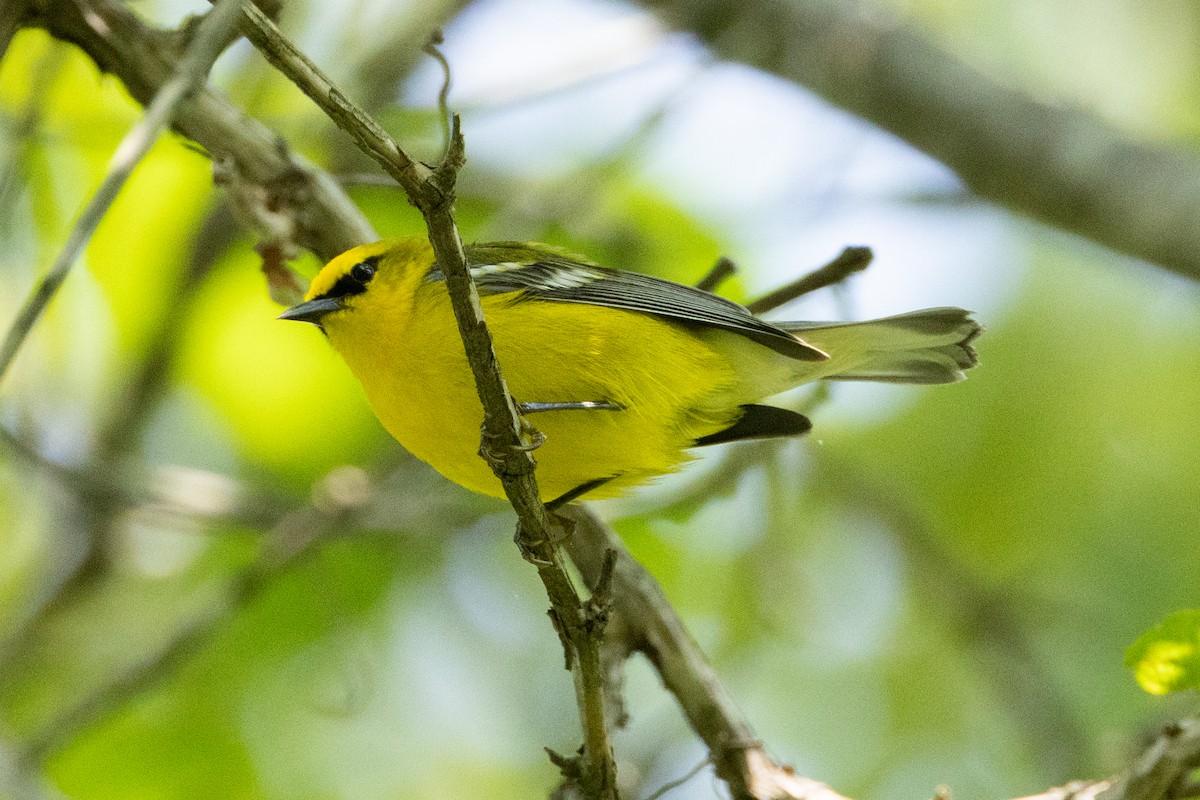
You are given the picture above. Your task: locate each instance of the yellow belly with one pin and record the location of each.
(670, 384)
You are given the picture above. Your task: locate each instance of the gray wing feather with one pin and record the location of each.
(563, 280)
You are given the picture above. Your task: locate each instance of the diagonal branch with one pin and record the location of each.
(651, 626)
(307, 206)
(211, 37)
(845, 264)
(1057, 164)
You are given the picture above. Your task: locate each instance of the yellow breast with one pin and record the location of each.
(414, 370)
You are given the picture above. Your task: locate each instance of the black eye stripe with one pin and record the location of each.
(355, 281)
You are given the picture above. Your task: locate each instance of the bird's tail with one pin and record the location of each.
(928, 346)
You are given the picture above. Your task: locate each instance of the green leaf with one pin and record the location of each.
(1166, 658)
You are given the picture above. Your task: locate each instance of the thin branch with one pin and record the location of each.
(210, 39)
(680, 781)
(845, 264)
(432, 48)
(720, 272)
(1076, 790)
(412, 175)
(393, 52)
(289, 201)
(1160, 773)
(505, 440)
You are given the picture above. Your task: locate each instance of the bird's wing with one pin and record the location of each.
(554, 277)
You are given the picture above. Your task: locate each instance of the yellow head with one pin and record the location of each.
(360, 283)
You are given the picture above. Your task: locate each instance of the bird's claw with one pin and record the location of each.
(496, 455)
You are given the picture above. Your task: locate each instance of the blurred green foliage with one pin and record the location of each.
(936, 587)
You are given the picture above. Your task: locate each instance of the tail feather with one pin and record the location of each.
(928, 346)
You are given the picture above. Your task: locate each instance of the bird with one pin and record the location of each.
(622, 373)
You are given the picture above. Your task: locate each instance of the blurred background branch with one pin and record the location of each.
(1058, 165)
(318, 214)
(191, 71)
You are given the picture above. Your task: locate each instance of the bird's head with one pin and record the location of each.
(377, 277)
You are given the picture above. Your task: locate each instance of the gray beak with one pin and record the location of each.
(312, 311)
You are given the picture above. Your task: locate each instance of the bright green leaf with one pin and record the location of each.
(1166, 658)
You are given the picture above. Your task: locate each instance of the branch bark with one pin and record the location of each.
(1059, 165)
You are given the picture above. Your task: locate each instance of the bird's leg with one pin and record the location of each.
(495, 457)
(577, 492)
(536, 437)
(580, 405)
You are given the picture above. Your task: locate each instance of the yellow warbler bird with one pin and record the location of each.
(622, 372)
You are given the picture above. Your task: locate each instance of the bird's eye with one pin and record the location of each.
(363, 271)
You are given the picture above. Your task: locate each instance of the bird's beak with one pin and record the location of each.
(311, 311)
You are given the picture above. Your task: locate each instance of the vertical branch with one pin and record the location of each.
(506, 441)
(211, 37)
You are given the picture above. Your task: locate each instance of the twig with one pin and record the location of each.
(394, 51)
(849, 261)
(210, 39)
(1165, 763)
(412, 175)
(431, 47)
(681, 780)
(1160, 773)
(1076, 790)
(505, 439)
(720, 272)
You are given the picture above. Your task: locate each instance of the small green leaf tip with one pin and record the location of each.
(1166, 658)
